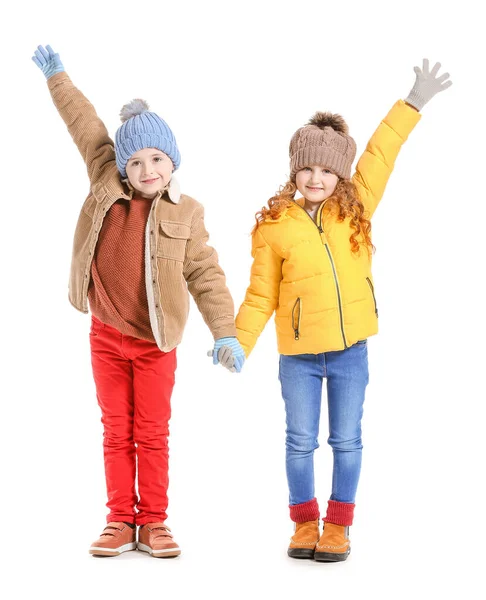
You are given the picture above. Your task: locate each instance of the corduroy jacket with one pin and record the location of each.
(177, 257)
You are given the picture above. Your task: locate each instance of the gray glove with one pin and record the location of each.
(225, 358)
(427, 85)
(229, 353)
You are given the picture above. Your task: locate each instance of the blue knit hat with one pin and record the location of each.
(143, 129)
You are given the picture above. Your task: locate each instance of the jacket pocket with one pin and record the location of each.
(373, 294)
(296, 318)
(172, 240)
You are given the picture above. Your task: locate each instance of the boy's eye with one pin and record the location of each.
(135, 163)
(157, 158)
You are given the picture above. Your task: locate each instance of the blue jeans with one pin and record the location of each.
(301, 379)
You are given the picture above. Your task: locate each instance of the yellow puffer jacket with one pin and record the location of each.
(323, 293)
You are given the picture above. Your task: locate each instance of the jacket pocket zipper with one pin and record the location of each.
(373, 293)
(296, 322)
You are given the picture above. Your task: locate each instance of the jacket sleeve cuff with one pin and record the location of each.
(223, 328)
(57, 78)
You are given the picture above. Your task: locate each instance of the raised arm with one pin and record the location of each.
(376, 163)
(86, 128)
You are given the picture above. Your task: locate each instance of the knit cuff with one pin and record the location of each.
(339, 513)
(307, 511)
(416, 100)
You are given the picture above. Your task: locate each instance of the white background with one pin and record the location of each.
(234, 82)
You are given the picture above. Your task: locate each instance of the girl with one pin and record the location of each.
(312, 264)
(139, 244)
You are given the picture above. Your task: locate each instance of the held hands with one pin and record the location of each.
(427, 85)
(48, 61)
(229, 353)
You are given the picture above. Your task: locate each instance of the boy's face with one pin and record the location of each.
(149, 171)
(316, 183)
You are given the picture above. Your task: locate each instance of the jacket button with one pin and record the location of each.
(153, 280)
(152, 232)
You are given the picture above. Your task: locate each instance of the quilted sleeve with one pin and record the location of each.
(262, 295)
(377, 161)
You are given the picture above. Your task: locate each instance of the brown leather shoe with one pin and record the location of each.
(156, 539)
(334, 544)
(116, 538)
(304, 540)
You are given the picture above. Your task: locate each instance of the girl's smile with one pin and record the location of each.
(316, 184)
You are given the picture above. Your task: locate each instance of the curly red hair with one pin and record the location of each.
(345, 202)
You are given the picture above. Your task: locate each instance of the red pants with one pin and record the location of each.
(134, 382)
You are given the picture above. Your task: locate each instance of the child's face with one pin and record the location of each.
(149, 171)
(316, 183)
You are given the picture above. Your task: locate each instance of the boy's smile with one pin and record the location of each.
(149, 171)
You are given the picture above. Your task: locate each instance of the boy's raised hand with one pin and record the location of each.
(229, 353)
(427, 85)
(48, 61)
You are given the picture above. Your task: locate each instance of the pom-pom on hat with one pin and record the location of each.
(323, 141)
(141, 129)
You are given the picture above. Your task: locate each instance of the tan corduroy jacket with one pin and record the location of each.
(177, 258)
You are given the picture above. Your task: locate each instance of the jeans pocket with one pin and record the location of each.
(96, 327)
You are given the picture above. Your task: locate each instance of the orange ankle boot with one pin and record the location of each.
(334, 544)
(304, 540)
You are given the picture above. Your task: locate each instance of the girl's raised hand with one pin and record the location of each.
(48, 61)
(427, 85)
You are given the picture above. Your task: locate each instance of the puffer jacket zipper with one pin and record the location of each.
(321, 230)
(373, 293)
(296, 321)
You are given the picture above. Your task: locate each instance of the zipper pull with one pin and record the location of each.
(296, 334)
(319, 227)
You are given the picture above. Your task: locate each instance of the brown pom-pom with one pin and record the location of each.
(328, 119)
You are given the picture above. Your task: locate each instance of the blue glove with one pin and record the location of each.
(48, 61)
(229, 353)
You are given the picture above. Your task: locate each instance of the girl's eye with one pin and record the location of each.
(307, 169)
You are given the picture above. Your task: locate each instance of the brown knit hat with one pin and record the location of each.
(323, 141)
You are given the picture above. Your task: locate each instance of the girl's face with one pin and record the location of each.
(316, 183)
(149, 171)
